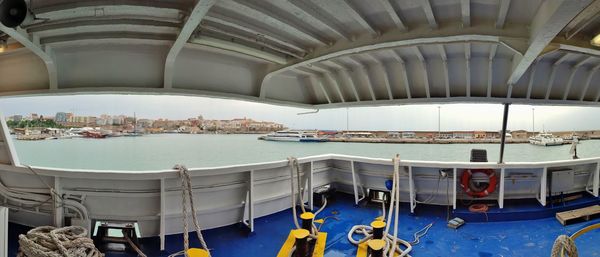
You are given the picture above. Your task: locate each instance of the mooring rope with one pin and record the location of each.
(392, 246)
(49, 241)
(187, 197)
(564, 242)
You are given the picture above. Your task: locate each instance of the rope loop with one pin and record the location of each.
(564, 244)
(187, 198)
(49, 241)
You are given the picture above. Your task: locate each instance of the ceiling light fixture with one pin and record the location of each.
(596, 40)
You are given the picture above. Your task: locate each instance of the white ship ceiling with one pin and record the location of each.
(311, 53)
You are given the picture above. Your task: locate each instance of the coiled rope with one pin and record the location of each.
(188, 198)
(392, 241)
(564, 242)
(49, 241)
(295, 168)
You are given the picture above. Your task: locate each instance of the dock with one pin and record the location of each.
(424, 141)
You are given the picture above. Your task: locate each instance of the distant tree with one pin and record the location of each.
(33, 124)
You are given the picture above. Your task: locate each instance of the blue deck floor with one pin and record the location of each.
(481, 239)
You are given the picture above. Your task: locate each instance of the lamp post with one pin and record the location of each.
(439, 122)
(533, 120)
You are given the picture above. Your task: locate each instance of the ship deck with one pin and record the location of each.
(480, 239)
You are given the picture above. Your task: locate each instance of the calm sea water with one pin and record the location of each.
(156, 152)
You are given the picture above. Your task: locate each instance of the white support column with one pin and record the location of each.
(531, 78)
(411, 189)
(201, 8)
(594, 178)
(588, 81)
(429, 14)
(445, 66)
(354, 182)
(163, 212)
(59, 212)
(543, 181)
(501, 189)
(454, 188)
(311, 186)
(251, 201)
(393, 15)
(8, 142)
(468, 68)
(502, 12)
(424, 67)
(345, 73)
(465, 10)
(490, 70)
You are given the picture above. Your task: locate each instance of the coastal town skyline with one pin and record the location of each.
(393, 118)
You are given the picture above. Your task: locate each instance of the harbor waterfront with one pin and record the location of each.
(163, 151)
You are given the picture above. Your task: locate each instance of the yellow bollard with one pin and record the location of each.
(197, 252)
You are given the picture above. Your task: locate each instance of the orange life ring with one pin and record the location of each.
(471, 189)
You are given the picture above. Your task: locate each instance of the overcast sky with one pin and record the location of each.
(411, 117)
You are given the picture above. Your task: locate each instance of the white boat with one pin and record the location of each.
(293, 136)
(545, 139)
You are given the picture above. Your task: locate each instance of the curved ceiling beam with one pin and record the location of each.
(412, 38)
(22, 37)
(190, 25)
(460, 99)
(551, 18)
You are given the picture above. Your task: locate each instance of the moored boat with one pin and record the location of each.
(293, 136)
(546, 139)
(94, 134)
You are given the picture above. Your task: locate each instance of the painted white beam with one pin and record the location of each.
(109, 9)
(238, 39)
(319, 83)
(33, 44)
(386, 75)
(365, 69)
(550, 19)
(327, 75)
(416, 37)
(429, 14)
(224, 21)
(343, 71)
(569, 83)
(588, 81)
(467, 47)
(387, 5)
(493, 49)
(445, 67)
(263, 15)
(424, 68)
(584, 19)
(573, 71)
(531, 79)
(201, 8)
(324, 20)
(502, 12)
(346, 74)
(553, 74)
(239, 48)
(465, 10)
(404, 74)
(336, 86)
(355, 15)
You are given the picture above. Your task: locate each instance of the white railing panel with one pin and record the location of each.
(3, 231)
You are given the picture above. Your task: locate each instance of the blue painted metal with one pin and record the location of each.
(527, 209)
(479, 239)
